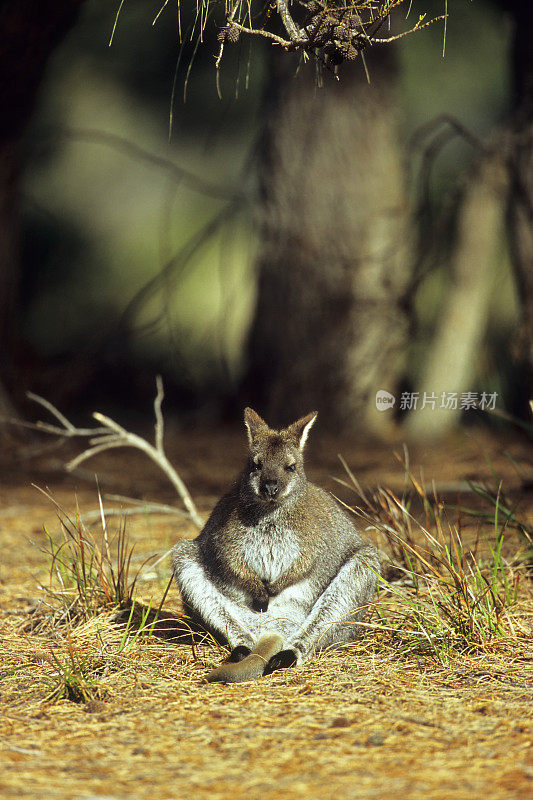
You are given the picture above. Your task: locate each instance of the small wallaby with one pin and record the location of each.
(279, 569)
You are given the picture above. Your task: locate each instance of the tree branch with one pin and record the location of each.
(331, 33)
(407, 33)
(112, 435)
(288, 22)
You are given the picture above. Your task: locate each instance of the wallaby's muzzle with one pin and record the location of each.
(269, 489)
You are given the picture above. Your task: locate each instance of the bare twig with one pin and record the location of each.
(112, 435)
(229, 22)
(128, 439)
(288, 22)
(331, 33)
(147, 508)
(266, 34)
(433, 126)
(52, 409)
(139, 507)
(67, 430)
(158, 415)
(407, 33)
(134, 151)
(92, 451)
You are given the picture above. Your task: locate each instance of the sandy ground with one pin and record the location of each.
(363, 722)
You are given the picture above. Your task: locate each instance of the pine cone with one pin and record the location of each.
(352, 53)
(333, 55)
(314, 7)
(233, 34)
(341, 34)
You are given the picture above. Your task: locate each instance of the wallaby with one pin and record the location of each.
(279, 569)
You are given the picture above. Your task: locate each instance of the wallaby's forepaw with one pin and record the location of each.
(282, 660)
(260, 604)
(238, 653)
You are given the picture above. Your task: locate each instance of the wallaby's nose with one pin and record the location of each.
(270, 489)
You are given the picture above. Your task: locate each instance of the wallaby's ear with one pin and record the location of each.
(299, 430)
(254, 424)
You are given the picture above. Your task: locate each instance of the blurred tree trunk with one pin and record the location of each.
(521, 200)
(8, 260)
(501, 179)
(334, 264)
(29, 32)
(476, 254)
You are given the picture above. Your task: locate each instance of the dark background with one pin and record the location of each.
(99, 223)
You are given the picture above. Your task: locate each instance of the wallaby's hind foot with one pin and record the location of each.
(238, 654)
(251, 666)
(281, 660)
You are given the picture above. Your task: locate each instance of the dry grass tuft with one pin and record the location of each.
(88, 573)
(440, 595)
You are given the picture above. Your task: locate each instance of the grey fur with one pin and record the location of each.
(277, 555)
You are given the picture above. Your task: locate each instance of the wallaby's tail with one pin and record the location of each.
(253, 665)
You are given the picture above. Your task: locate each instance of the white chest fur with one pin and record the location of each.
(270, 550)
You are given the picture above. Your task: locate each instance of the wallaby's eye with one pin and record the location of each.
(257, 463)
(290, 467)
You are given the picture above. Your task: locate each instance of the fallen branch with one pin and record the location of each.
(146, 508)
(112, 435)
